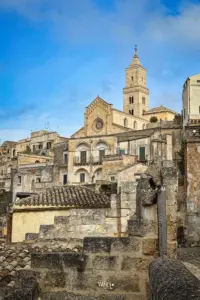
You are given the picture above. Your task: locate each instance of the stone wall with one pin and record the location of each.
(170, 279)
(67, 223)
(192, 183)
(5, 200)
(107, 268)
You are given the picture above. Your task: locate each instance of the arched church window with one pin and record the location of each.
(125, 122)
(143, 100)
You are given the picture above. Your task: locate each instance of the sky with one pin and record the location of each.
(57, 56)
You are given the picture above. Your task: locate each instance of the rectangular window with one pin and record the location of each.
(64, 179)
(82, 177)
(198, 81)
(112, 178)
(19, 180)
(142, 154)
(65, 158)
(48, 145)
(132, 78)
(101, 154)
(83, 157)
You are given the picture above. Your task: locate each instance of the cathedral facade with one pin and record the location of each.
(97, 139)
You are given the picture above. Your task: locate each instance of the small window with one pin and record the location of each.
(8, 151)
(19, 180)
(132, 78)
(112, 178)
(65, 179)
(131, 112)
(82, 177)
(38, 180)
(101, 154)
(40, 146)
(65, 158)
(184, 113)
(125, 122)
(143, 100)
(48, 145)
(198, 81)
(37, 162)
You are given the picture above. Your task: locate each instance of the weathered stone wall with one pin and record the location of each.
(5, 200)
(107, 268)
(67, 223)
(192, 181)
(170, 279)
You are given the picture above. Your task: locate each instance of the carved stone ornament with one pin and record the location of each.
(98, 124)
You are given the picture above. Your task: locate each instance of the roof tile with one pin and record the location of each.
(77, 196)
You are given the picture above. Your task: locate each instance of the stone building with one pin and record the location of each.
(7, 151)
(161, 113)
(190, 100)
(95, 149)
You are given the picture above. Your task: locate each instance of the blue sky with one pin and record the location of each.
(57, 56)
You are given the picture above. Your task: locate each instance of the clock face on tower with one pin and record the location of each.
(98, 124)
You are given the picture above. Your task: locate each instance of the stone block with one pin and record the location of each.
(87, 229)
(74, 260)
(112, 213)
(61, 220)
(125, 244)
(150, 246)
(46, 260)
(54, 279)
(120, 283)
(97, 244)
(45, 230)
(104, 262)
(125, 212)
(31, 236)
(135, 227)
(139, 264)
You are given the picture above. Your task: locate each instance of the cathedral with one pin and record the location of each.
(98, 138)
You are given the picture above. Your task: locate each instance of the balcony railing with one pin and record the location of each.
(81, 162)
(94, 160)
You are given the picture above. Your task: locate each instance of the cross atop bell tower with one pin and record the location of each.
(136, 93)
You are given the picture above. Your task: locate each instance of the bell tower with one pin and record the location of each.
(136, 94)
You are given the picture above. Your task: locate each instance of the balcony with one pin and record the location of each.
(82, 162)
(92, 160)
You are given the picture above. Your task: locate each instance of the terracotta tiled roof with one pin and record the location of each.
(67, 196)
(159, 109)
